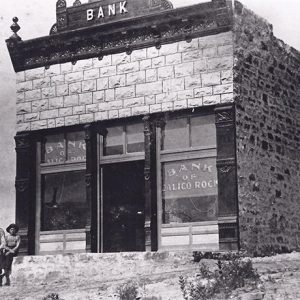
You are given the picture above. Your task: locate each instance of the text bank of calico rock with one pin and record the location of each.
(142, 127)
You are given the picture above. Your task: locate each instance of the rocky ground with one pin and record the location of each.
(96, 277)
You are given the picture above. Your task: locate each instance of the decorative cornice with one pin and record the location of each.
(122, 36)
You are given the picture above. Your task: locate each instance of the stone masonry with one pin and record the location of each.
(176, 76)
(267, 93)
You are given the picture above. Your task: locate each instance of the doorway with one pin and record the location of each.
(123, 207)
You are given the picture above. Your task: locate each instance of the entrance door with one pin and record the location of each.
(123, 207)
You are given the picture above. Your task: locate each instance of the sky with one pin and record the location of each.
(36, 19)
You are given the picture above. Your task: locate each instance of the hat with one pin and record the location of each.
(12, 226)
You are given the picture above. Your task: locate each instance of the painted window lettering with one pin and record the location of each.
(110, 10)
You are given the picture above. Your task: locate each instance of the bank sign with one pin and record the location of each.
(107, 11)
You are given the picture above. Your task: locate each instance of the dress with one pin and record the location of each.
(12, 241)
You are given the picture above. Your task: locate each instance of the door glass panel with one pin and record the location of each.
(114, 141)
(175, 134)
(123, 207)
(135, 138)
(76, 146)
(53, 150)
(189, 190)
(203, 131)
(64, 204)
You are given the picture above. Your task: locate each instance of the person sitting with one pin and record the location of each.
(12, 244)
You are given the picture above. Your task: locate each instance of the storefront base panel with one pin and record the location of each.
(202, 237)
(62, 242)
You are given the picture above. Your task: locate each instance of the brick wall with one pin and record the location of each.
(177, 76)
(267, 96)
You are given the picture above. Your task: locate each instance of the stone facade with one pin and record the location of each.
(176, 76)
(267, 93)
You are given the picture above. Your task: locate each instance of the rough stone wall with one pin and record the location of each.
(267, 96)
(177, 76)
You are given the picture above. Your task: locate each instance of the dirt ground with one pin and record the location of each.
(33, 280)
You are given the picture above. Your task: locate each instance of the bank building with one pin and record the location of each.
(141, 127)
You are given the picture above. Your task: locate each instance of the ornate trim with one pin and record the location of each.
(88, 180)
(22, 185)
(154, 30)
(22, 141)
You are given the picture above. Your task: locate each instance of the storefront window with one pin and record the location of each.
(63, 191)
(64, 203)
(189, 185)
(189, 190)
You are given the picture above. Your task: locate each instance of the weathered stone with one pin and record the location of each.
(184, 69)
(75, 88)
(146, 89)
(86, 118)
(20, 76)
(167, 106)
(104, 62)
(211, 100)
(110, 95)
(98, 96)
(66, 68)
(155, 108)
(210, 52)
(166, 97)
(83, 65)
(158, 62)
(62, 90)
(125, 112)
(91, 74)
(227, 76)
(53, 70)
(102, 83)
(33, 95)
(49, 92)
(120, 58)
(71, 100)
(152, 52)
(192, 81)
(128, 67)
(205, 91)
(20, 97)
(173, 59)
(24, 86)
(151, 75)
(140, 110)
(145, 64)
(102, 115)
(56, 102)
(165, 72)
(134, 102)
(223, 88)
(39, 105)
(79, 110)
(37, 125)
(71, 120)
(135, 77)
(89, 85)
(85, 98)
(211, 78)
(66, 111)
(225, 50)
(125, 92)
(150, 99)
(51, 123)
(23, 108)
(113, 114)
(195, 102)
(34, 73)
(180, 104)
(57, 80)
(108, 71)
(192, 55)
(53, 113)
(60, 122)
(168, 49)
(173, 85)
(186, 94)
(23, 127)
(184, 46)
(73, 77)
(138, 55)
(91, 108)
(116, 81)
(220, 63)
(200, 66)
(226, 98)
